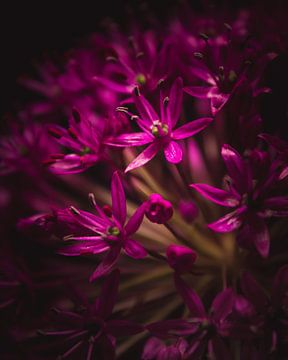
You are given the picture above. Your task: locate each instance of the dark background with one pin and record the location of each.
(30, 32)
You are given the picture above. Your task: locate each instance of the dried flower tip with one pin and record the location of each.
(160, 83)
(166, 101)
(228, 26)
(74, 210)
(122, 109)
(198, 55)
(204, 36)
(91, 197)
(134, 117)
(111, 59)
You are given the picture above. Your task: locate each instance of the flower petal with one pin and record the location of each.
(218, 196)
(229, 222)
(223, 304)
(105, 302)
(173, 152)
(144, 157)
(133, 139)
(173, 327)
(175, 101)
(134, 249)
(85, 247)
(146, 111)
(118, 199)
(237, 169)
(191, 128)
(135, 220)
(253, 292)
(200, 92)
(152, 348)
(107, 263)
(190, 298)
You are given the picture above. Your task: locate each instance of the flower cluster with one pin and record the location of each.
(158, 131)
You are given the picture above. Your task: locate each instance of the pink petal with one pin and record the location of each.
(133, 139)
(175, 101)
(218, 196)
(173, 152)
(190, 298)
(200, 92)
(118, 199)
(191, 128)
(223, 304)
(229, 222)
(237, 169)
(146, 111)
(105, 302)
(85, 247)
(152, 348)
(107, 263)
(173, 327)
(144, 157)
(134, 249)
(135, 221)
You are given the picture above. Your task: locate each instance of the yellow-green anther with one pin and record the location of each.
(113, 230)
(141, 79)
(85, 150)
(232, 76)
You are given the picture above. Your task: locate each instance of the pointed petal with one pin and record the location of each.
(118, 199)
(173, 152)
(151, 349)
(105, 302)
(133, 139)
(135, 220)
(144, 157)
(175, 101)
(191, 128)
(222, 305)
(107, 263)
(200, 92)
(218, 196)
(134, 249)
(123, 327)
(256, 232)
(276, 206)
(229, 222)
(85, 247)
(146, 111)
(253, 292)
(237, 169)
(190, 298)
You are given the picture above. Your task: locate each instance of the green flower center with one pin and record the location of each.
(85, 150)
(140, 79)
(158, 129)
(113, 230)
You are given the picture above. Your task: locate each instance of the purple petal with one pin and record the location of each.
(133, 139)
(146, 111)
(118, 199)
(152, 348)
(191, 128)
(144, 157)
(218, 100)
(85, 247)
(190, 298)
(229, 222)
(107, 263)
(135, 220)
(253, 292)
(256, 232)
(218, 196)
(175, 101)
(134, 249)
(200, 92)
(174, 327)
(105, 302)
(237, 169)
(276, 206)
(222, 305)
(123, 327)
(173, 152)
(181, 258)
(169, 353)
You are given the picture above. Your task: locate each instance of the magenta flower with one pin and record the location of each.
(155, 349)
(83, 138)
(181, 258)
(158, 210)
(252, 202)
(112, 233)
(206, 329)
(92, 333)
(158, 131)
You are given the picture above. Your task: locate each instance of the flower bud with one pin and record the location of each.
(188, 210)
(158, 210)
(181, 258)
